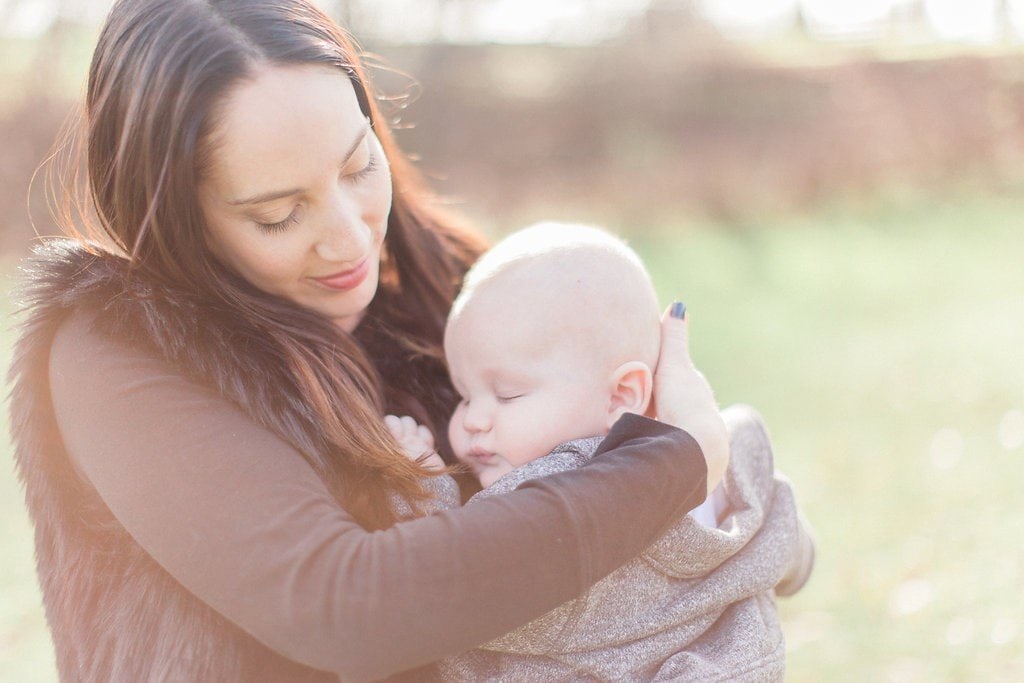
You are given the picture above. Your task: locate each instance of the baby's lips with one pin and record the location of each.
(481, 455)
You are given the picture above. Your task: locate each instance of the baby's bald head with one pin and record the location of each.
(571, 284)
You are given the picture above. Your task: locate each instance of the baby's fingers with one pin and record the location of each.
(409, 425)
(426, 437)
(398, 426)
(393, 424)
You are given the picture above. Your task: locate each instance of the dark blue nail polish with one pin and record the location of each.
(678, 310)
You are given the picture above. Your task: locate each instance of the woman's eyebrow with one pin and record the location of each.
(279, 194)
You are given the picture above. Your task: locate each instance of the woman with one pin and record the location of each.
(198, 395)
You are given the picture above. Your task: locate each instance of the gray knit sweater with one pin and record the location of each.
(699, 604)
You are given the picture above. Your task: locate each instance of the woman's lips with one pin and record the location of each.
(346, 279)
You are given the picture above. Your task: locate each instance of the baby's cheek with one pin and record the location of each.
(458, 438)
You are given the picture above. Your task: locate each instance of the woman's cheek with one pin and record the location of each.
(382, 180)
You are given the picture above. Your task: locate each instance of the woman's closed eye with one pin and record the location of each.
(365, 171)
(282, 225)
(508, 398)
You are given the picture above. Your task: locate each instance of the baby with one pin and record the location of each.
(554, 338)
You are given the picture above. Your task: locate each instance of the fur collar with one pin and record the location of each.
(113, 612)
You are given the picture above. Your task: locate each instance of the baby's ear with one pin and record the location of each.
(631, 386)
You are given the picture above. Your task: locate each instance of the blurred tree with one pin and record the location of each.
(348, 13)
(803, 26)
(1007, 33)
(441, 19)
(909, 13)
(56, 25)
(453, 19)
(668, 21)
(678, 8)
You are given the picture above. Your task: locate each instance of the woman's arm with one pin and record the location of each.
(240, 519)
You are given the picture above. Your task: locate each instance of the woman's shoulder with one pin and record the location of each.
(88, 368)
(79, 349)
(83, 312)
(62, 287)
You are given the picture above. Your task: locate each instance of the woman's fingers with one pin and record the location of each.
(675, 368)
(675, 337)
(683, 397)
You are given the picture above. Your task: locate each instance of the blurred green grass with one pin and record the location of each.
(883, 345)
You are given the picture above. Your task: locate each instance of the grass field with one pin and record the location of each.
(885, 348)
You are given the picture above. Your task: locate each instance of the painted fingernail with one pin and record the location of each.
(678, 310)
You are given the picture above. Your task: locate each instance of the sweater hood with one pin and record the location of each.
(750, 488)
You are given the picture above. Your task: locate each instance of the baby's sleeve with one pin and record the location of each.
(565, 457)
(444, 491)
(802, 562)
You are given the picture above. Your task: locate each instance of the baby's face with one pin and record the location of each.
(523, 392)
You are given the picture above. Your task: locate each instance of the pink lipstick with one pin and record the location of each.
(346, 279)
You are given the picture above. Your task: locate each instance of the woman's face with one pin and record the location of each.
(297, 191)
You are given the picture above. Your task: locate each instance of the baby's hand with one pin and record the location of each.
(683, 397)
(416, 440)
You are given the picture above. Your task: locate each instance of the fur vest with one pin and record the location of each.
(113, 612)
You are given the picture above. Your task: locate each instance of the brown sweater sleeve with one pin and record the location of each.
(240, 519)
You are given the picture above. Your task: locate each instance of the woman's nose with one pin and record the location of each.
(343, 235)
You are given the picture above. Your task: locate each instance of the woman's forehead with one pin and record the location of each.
(282, 126)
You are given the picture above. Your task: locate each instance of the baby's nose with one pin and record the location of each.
(476, 419)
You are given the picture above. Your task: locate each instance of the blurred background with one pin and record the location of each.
(833, 186)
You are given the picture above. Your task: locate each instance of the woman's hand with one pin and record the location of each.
(683, 397)
(416, 440)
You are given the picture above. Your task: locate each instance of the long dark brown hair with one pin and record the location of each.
(158, 74)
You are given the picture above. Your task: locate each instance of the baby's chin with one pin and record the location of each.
(489, 475)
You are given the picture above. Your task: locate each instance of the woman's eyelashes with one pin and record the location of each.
(292, 218)
(370, 167)
(280, 226)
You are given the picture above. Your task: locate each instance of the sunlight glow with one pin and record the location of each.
(968, 20)
(956, 20)
(563, 21)
(1016, 11)
(843, 16)
(750, 16)
(1003, 631)
(910, 597)
(26, 19)
(590, 21)
(1011, 430)
(947, 447)
(960, 631)
(500, 21)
